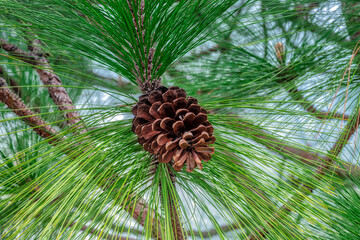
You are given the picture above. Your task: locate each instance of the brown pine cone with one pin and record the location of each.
(173, 127)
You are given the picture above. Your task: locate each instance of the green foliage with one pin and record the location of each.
(267, 108)
(104, 30)
(343, 209)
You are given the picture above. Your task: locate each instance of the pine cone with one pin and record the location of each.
(173, 127)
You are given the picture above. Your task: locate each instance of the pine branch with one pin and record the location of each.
(18, 53)
(173, 206)
(45, 131)
(143, 74)
(296, 95)
(308, 188)
(174, 211)
(139, 209)
(14, 85)
(306, 157)
(29, 117)
(57, 92)
(146, 84)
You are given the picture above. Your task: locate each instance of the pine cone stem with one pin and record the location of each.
(174, 211)
(173, 207)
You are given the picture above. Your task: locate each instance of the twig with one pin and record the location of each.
(296, 95)
(308, 188)
(17, 52)
(173, 207)
(174, 211)
(139, 210)
(28, 116)
(57, 92)
(14, 85)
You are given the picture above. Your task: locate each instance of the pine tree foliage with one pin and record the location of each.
(278, 78)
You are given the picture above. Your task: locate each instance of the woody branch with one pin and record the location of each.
(60, 97)
(56, 90)
(321, 170)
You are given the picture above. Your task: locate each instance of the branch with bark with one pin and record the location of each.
(307, 157)
(147, 83)
(29, 117)
(42, 65)
(60, 97)
(174, 209)
(321, 170)
(297, 96)
(139, 210)
(18, 53)
(15, 87)
(57, 92)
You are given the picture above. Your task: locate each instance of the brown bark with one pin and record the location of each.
(174, 210)
(57, 92)
(17, 52)
(139, 210)
(14, 85)
(28, 116)
(172, 207)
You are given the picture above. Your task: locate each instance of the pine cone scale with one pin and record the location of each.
(167, 123)
(154, 110)
(162, 139)
(189, 117)
(156, 125)
(178, 127)
(180, 113)
(172, 144)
